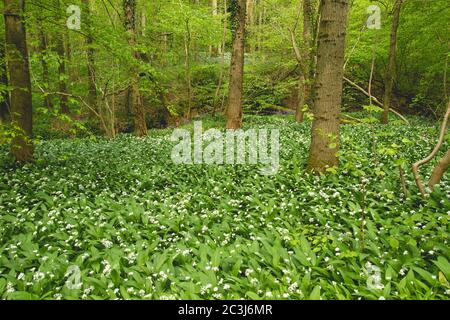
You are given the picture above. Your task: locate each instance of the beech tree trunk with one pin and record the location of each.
(4, 98)
(234, 109)
(61, 51)
(187, 66)
(92, 90)
(43, 46)
(299, 113)
(63, 104)
(19, 75)
(140, 126)
(214, 50)
(250, 21)
(304, 89)
(328, 85)
(391, 69)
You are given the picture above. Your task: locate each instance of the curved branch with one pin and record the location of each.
(415, 167)
(374, 99)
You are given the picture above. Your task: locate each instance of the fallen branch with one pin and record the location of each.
(415, 167)
(353, 119)
(374, 99)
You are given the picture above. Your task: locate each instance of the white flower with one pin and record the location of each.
(107, 270)
(107, 243)
(38, 276)
(10, 287)
(248, 272)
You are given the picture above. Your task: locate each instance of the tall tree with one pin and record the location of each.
(328, 85)
(4, 98)
(234, 108)
(92, 90)
(215, 11)
(43, 46)
(187, 64)
(250, 20)
(19, 75)
(391, 68)
(61, 51)
(140, 126)
(303, 55)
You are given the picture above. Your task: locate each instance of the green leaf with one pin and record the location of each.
(444, 266)
(315, 294)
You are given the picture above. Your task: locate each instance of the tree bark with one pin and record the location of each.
(299, 113)
(222, 58)
(43, 46)
(391, 69)
(19, 75)
(187, 66)
(441, 167)
(4, 99)
(62, 72)
(214, 50)
(250, 21)
(92, 89)
(234, 109)
(304, 59)
(328, 85)
(140, 126)
(438, 172)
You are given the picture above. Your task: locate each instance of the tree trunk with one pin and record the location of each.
(19, 75)
(140, 126)
(62, 81)
(222, 58)
(442, 164)
(391, 69)
(187, 66)
(250, 20)
(304, 89)
(249, 12)
(299, 113)
(92, 90)
(4, 98)
(45, 73)
(439, 170)
(328, 85)
(234, 109)
(214, 50)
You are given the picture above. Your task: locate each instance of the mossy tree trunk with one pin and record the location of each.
(19, 76)
(137, 105)
(234, 108)
(391, 68)
(328, 85)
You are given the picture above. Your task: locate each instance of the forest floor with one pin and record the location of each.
(137, 226)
